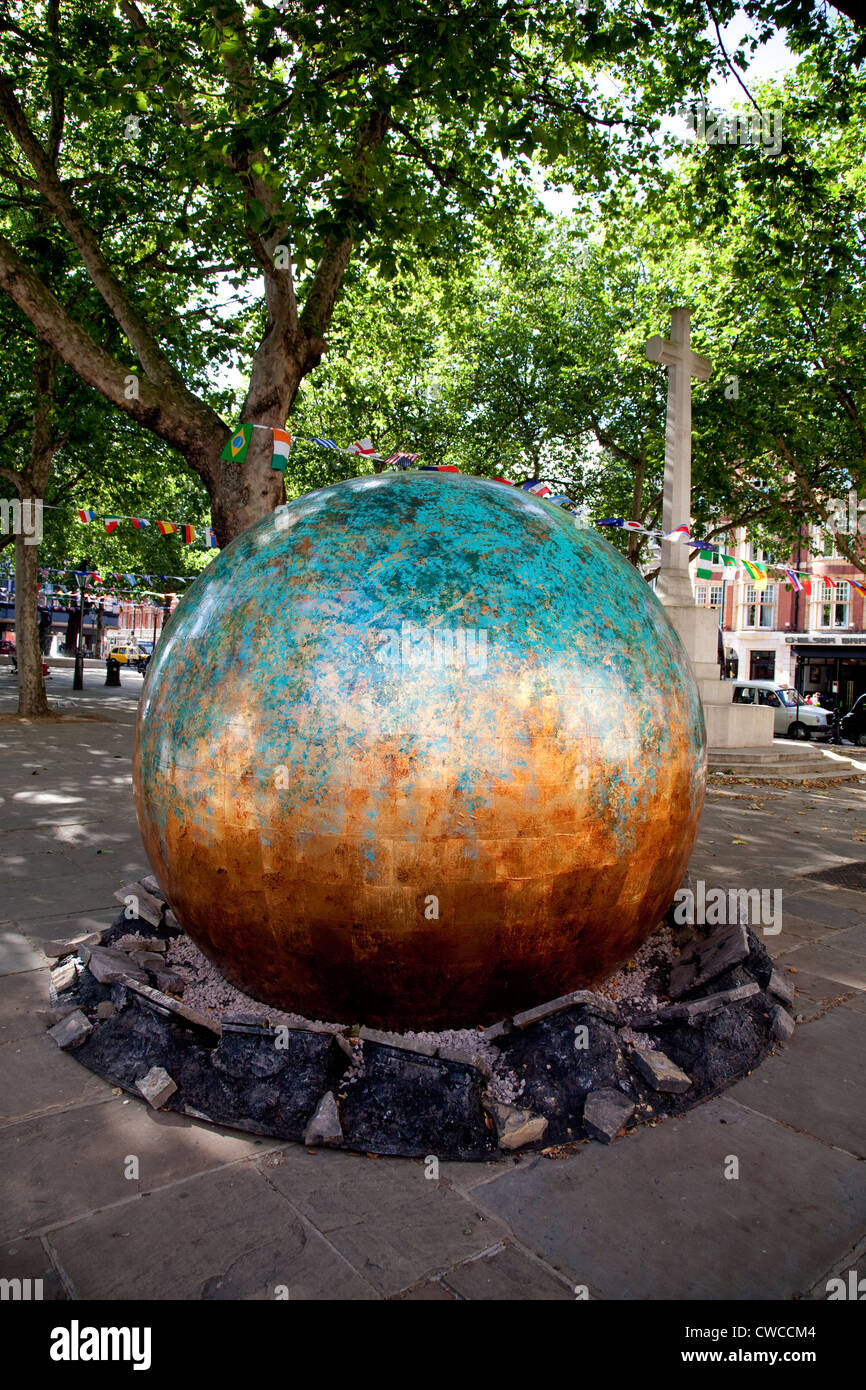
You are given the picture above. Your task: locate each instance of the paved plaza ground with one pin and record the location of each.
(219, 1215)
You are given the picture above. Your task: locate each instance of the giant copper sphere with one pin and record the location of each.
(419, 751)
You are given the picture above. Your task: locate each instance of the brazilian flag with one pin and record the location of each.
(236, 449)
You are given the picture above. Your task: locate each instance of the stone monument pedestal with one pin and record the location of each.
(728, 725)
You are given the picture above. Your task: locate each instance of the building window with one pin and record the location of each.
(832, 605)
(824, 544)
(759, 554)
(750, 595)
(759, 610)
(762, 666)
(708, 596)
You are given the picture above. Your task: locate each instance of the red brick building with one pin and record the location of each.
(816, 641)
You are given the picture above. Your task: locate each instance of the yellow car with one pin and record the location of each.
(127, 655)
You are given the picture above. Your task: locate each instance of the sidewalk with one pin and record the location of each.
(212, 1214)
(96, 699)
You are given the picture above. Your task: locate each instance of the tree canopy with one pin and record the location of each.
(172, 154)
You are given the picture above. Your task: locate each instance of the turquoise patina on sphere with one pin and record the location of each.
(419, 751)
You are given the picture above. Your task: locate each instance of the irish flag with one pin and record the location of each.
(282, 445)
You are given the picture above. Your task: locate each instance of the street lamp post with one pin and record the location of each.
(78, 676)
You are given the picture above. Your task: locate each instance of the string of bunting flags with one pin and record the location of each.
(111, 585)
(132, 578)
(237, 446)
(758, 570)
(187, 531)
(236, 449)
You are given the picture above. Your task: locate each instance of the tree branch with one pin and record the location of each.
(154, 362)
(325, 286)
(168, 413)
(447, 178)
(607, 442)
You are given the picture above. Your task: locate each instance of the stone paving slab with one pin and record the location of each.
(825, 960)
(508, 1275)
(847, 898)
(796, 930)
(653, 1217)
(22, 815)
(68, 837)
(393, 1224)
(27, 1258)
(63, 862)
(17, 956)
(25, 869)
(814, 995)
(464, 1177)
(123, 864)
(431, 1291)
(21, 995)
(819, 1086)
(853, 940)
(64, 925)
(821, 909)
(74, 893)
(223, 1236)
(35, 1077)
(66, 1165)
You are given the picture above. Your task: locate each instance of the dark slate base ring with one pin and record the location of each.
(319, 1086)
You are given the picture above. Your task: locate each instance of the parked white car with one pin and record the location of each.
(789, 721)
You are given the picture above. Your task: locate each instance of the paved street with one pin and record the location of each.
(212, 1214)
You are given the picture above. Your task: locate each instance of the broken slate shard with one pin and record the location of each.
(709, 957)
(516, 1128)
(658, 1069)
(324, 1127)
(156, 1086)
(71, 1030)
(605, 1113)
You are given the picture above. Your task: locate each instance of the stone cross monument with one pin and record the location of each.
(728, 725)
(673, 585)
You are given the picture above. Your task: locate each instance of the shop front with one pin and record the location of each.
(834, 668)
